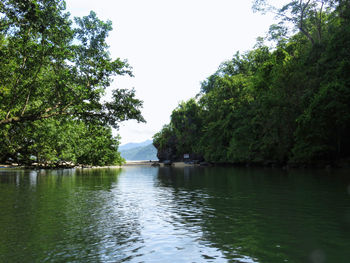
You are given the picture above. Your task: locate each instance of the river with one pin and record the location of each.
(160, 214)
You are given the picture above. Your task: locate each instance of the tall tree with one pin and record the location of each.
(307, 16)
(51, 66)
(54, 73)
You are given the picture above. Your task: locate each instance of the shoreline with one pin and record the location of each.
(321, 165)
(127, 164)
(158, 164)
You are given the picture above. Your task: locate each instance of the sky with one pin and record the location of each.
(172, 46)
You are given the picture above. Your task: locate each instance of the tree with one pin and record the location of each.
(54, 73)
(324, 125)
(52, 67)
(307, 16)
(275, 106)
(165, 141)
(186, 121)
(55, 142)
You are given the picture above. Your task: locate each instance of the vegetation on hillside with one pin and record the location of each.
(286, 103)
(53, 75)
(140, 153)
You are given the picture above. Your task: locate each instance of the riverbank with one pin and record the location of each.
(10, 166)
(156, 163)
(127, 164)
(319, 165)
(16, 166)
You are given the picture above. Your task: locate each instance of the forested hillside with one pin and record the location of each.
(285, 103)
(53, 75)
(131, 145)
(139, 153)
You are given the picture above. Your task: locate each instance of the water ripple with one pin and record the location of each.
(173, 215)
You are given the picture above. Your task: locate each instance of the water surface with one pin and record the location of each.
(146, 214)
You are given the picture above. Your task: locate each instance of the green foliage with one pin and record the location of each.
(54, 142)
(50, 68)
(308, 17)
(53, 76)
(290, 103)
(165, 138)
(186, 122)
(324, 125)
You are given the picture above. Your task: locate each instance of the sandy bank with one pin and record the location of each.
(155, 163)
(10, 166)
(133, 163)
(128, 163)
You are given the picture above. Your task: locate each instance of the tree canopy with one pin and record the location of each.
(289, 103)
(53, 67)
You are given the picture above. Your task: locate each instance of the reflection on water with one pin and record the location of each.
(146, 214)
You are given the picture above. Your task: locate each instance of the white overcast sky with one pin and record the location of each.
(172, 46)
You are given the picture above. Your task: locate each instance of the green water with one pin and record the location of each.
(144, 214)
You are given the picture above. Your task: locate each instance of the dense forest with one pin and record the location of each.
(53, 77)
(285, 101)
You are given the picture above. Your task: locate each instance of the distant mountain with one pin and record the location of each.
(132, 145)
(139, 151)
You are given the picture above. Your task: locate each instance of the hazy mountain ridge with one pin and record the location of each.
(133, 145)
(138, 151)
